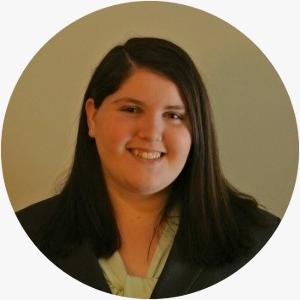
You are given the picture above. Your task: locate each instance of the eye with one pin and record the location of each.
(174, 115)
(130, 109)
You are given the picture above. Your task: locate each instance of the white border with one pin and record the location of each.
(27, 25)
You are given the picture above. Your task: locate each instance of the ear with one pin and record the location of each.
(91, 111)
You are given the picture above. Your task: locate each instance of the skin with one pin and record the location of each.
(146, 114)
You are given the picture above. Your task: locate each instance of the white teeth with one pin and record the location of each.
(145, 154)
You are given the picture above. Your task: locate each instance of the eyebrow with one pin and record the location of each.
(136, 101)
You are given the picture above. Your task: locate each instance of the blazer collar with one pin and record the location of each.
(83, 265)
(176, 278)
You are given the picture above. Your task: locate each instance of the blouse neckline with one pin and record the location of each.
(123, 284)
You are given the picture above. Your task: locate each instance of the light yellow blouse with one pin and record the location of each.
(123, 284)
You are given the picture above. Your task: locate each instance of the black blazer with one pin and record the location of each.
(178, 276)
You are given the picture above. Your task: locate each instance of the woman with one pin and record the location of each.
(146, 211)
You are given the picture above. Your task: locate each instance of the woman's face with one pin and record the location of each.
(142, 133)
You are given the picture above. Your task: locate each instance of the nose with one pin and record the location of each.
(151, 128)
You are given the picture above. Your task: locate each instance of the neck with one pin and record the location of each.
(133, 208)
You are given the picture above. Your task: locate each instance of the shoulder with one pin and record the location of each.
(262, 231)
(252, 220)
(33, 217)
(256, 226)
(259, 231)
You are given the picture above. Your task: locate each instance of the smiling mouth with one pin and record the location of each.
(146, 155)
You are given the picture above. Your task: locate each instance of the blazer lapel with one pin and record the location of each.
(82, 264)
(177, 277)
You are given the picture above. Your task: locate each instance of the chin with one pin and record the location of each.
(147, 190)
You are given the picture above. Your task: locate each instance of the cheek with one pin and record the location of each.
(111, 136)
(179, 144)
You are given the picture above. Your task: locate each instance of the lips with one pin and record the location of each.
(146, 154)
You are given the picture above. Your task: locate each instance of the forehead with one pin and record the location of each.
(149, 87)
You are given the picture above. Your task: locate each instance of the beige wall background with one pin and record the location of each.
(254, 118)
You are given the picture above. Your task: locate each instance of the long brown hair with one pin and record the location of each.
(210, 230)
